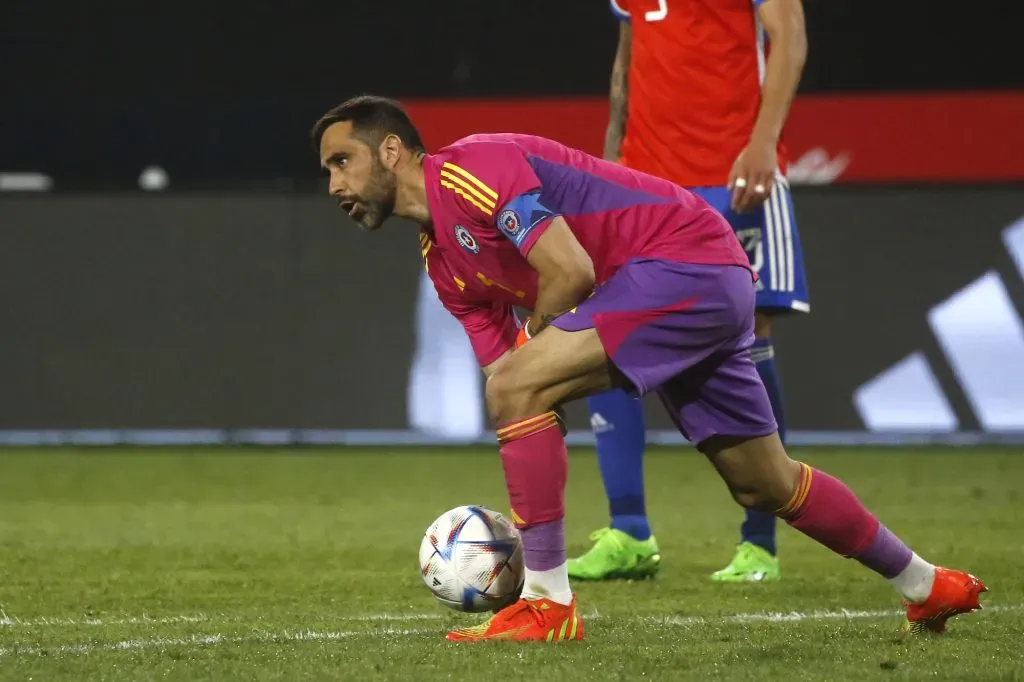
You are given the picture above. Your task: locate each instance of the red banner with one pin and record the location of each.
(933, 137)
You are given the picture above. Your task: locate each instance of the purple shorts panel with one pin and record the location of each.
(684, 331)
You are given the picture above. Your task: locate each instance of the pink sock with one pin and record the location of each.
(536, 466)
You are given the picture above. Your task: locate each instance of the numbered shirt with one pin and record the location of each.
(491, 197)
(695, 76)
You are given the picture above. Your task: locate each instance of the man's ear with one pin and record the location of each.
(391, 151)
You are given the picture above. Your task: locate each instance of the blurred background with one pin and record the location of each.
(172, 271)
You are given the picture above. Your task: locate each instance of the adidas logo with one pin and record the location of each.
(982, 338)
(816, 167)
(599, 424)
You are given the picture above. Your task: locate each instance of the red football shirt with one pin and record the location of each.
(695, 75)
(492, 196)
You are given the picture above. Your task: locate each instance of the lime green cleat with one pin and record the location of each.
(752, 564)
(616, 555)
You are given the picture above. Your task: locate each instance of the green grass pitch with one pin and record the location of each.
(257, 564)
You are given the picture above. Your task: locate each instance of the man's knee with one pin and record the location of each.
(553, 368)
(758, 495)
(509, 396)
(758, 472)
(767, 492)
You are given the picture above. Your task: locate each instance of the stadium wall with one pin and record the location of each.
(214, 100)
(266, 317)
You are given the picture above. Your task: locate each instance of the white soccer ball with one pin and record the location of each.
(471, 559)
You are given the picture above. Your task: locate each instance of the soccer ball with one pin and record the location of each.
(471, 559)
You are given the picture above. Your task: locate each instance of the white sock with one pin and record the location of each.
(915, 581)
(552, 584)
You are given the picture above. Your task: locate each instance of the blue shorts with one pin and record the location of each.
(770, 238)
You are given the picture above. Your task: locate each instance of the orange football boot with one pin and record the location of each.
(527, 620)
(953, 593)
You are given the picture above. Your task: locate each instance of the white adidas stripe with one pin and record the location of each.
(778, 230)
(769, 242)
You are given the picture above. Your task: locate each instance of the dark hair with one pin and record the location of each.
(373, 118)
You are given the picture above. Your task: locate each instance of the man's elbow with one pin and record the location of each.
(787, 32)
(581, 277)
(798, 49)
(796, 35)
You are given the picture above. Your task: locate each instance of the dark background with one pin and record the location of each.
(272, 311)
(240, 299)
(224, 93)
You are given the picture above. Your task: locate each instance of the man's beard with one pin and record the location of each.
(379, 199)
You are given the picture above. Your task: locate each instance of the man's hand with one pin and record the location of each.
(753, 175)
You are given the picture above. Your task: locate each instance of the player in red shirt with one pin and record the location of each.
(633, 282)
(694, 100)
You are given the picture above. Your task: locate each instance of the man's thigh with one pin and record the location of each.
(656, 319)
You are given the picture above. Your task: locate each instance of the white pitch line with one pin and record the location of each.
(315, 635)
(59, 621)
(200, 640)
(398, 617)
(9, 621)
(754, 617)
(796, 616)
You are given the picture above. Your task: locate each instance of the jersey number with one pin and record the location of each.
(657, 14)
(750, 239)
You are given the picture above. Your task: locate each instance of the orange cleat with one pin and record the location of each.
(953, 593)
(527, 620)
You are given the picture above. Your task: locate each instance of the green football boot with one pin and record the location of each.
(616, 556)
(752, 564)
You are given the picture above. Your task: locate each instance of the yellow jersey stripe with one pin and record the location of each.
(472, 178)
(468, 187)
(425, 246)
(468, 197)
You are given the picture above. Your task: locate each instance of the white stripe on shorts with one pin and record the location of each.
(769, 243)
(782, 227)
(787, 224)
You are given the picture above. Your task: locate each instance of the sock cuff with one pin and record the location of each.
(526, 427)
(803, 487)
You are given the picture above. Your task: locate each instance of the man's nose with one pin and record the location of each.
(337, 185)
